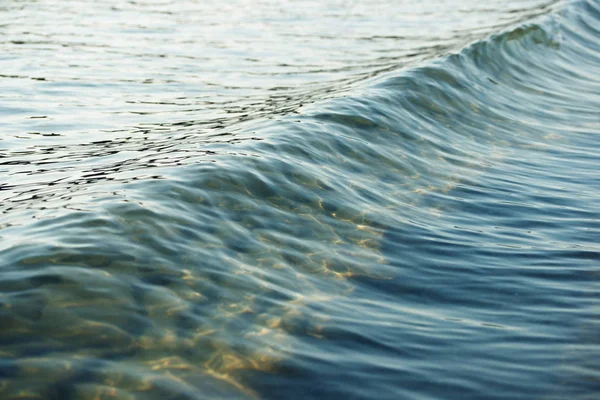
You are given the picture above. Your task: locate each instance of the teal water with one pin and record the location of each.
(267, 200)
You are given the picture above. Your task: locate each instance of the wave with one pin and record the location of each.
(237, 255)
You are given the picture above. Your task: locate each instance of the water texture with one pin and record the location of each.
(299, 200)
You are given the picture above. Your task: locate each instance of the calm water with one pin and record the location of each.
(299, 200)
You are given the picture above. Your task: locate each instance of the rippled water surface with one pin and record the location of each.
(299, 199)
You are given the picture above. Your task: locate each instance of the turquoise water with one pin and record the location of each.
(299, 200)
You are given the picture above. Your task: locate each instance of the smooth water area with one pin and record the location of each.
(299, 200)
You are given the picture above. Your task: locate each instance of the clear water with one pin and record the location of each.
(283, 199)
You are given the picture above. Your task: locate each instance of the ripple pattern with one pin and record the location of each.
(421, 225)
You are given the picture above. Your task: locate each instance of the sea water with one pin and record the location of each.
(299, 199)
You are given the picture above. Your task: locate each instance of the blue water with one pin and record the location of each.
(352, 200)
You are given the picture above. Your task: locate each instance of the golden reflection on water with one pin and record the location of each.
(161, 350)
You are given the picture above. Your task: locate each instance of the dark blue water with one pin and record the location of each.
(418, 226)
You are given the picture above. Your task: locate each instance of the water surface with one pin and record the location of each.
(299, 200)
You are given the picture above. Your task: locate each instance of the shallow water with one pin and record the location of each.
(299, 200)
